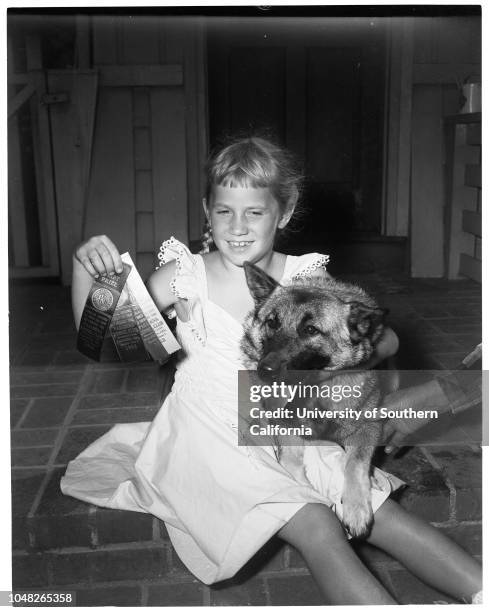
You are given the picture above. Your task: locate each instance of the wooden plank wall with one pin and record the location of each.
(72, 133)
(461, 196)
(32, 206)
(110, 208)
(397, 127)
(430, 104)
(150, 140)
(444, 49)
(471, 259)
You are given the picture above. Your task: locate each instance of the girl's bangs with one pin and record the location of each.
(242, 180)
(253, 175)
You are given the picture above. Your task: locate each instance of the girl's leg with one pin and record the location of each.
(342, 578)
(426, 551)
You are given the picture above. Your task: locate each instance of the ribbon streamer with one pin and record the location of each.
(119, 307)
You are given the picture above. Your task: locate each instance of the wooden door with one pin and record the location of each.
(317, 85)
(127, 146)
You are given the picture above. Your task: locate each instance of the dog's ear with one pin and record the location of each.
(365, 321)
(260, 284)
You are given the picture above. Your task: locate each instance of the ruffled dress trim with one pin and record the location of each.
(183, 284)
(321, 261)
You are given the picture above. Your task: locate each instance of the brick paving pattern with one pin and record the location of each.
(60, 402)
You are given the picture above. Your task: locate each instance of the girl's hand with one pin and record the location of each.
(99, 256)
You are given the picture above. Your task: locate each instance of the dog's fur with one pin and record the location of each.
(323, 326)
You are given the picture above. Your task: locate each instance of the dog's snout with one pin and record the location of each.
(266, 372)
(270, 367)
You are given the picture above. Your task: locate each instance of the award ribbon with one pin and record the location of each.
(98, 312)
(157, 334)
(121, 305)
(125, 331)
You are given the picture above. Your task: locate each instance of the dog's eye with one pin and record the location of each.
(272, 322)
(310, 330)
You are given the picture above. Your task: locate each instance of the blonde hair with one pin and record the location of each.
(254, 162)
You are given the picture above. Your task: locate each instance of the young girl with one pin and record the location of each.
(221, 502)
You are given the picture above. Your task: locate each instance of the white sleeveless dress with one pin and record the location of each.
(221, 502)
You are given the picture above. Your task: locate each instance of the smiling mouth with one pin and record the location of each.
(240, 243)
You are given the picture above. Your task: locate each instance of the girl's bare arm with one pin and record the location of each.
(158, 285)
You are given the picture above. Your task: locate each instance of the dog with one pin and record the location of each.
(323, 326)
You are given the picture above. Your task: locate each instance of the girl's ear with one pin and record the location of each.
(291, 204)
(285, 218)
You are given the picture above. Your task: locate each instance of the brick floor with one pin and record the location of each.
(60, 402)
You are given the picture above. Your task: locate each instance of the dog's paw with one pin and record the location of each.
(357, 516)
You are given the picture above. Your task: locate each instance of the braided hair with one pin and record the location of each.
(206, 238)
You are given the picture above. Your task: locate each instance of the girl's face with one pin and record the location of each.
(244, 221)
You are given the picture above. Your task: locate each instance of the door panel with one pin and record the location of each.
(169, 184)
(72, 125)
(110, 202)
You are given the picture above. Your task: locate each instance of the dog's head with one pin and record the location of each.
(308, 325)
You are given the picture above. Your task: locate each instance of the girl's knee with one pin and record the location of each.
(314, 524)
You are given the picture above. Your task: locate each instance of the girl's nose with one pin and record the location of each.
(239, 225)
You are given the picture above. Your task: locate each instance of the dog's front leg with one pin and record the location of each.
(357, 495)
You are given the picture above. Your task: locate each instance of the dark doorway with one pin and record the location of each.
(317, 85)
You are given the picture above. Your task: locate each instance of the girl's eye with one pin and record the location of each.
(256, 213)
(222, 212)
(272, 322)
(310, 330)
